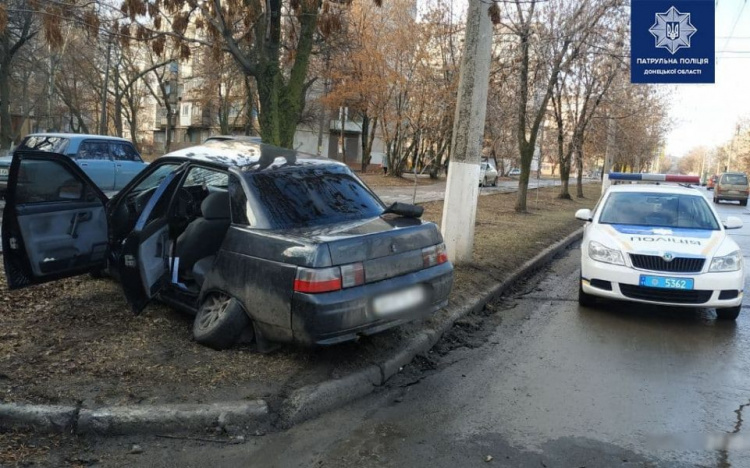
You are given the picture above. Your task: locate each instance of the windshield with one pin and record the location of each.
(734, 179)
(155, 178)
(49, 144)
(658, 210)
(303, 197)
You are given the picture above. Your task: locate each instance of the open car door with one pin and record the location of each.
(54, 221)
(144, 258)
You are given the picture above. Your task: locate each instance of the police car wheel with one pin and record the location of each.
(730, 313)
(584, 299)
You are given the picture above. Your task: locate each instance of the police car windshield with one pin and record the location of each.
(658, 210)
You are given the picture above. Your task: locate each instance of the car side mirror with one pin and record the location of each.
(733, 222)
(584, 214)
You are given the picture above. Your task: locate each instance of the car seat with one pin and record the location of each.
(203, 237)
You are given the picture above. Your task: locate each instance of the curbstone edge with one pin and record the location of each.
(121, 420)
(48, 418)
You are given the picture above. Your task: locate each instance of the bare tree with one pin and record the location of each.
(550, 35)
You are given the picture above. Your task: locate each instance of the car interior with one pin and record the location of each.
(194, 214)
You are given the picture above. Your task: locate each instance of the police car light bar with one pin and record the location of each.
(655, 177)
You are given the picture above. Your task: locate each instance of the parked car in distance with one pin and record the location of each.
(251, 238)
(732, 186)
(711, 183)
(487, 174)
(514, 172)
(110, 162)
(251, 139)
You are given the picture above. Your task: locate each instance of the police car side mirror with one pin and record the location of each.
(733, 222)
(584, 214)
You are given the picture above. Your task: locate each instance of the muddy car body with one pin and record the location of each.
(249, 237)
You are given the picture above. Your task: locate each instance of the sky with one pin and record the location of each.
(707, 114)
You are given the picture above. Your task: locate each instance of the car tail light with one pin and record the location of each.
(352, 275)
(317, 280)
(434, 255)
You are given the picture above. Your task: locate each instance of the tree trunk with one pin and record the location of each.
(6, 127)
(527, 154)
(365, 133)
(579, 167)
(170, 120)
(249, 106)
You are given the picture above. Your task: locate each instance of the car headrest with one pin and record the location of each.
(216, 206)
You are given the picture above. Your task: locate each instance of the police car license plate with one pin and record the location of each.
(399, 300)
(666, 282)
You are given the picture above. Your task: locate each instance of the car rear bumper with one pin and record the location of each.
(622, 283)
(731, 196)
(330, 318)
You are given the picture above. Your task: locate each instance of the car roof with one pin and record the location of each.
(248, 154)
(662, 188)
(81, 136)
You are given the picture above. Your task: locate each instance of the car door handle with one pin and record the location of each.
(77, 219)
(84, 164)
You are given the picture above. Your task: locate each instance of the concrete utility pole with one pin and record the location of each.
(462, 190)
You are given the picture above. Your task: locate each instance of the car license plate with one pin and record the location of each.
(399, 300)
(4, 172)
(666, 282)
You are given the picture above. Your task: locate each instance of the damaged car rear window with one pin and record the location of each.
(302, 197)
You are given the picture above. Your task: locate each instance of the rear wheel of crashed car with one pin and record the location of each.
(220, 322)
(586, 300)
(730, 313)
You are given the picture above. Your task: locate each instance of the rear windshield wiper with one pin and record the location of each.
(405, 209)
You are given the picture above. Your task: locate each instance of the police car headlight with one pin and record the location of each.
(731, 262)
(604, 254)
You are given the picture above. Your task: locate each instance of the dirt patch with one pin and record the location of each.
(377, 179)
(76, 340)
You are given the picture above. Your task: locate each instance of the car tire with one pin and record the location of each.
(730, 313)
(585, 299)
(716, 200)
(743, 202)
(484, 182)
(494, 182)
(220, 322)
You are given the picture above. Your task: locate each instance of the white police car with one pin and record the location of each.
(660, 244)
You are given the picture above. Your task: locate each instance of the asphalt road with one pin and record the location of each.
(538, 382)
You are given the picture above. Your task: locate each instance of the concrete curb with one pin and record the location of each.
(121, 420)
(302, 404)
(312, 400)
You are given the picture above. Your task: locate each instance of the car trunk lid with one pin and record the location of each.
(387, 246)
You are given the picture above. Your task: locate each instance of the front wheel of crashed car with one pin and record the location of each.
(220, 321)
